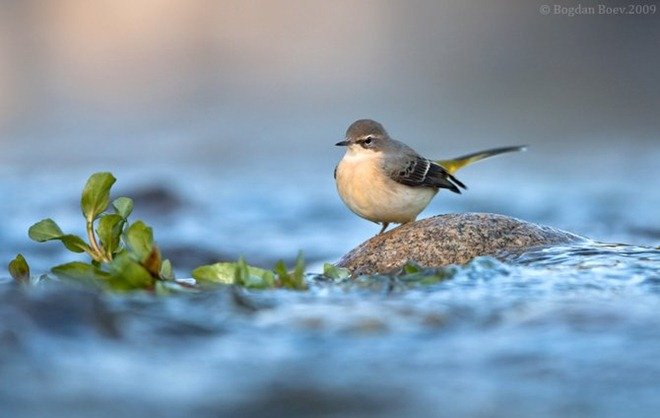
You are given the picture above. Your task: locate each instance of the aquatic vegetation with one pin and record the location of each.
(333, 272)
(19, 269)
(125, 257)
(241, 274)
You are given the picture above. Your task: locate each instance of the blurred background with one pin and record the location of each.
(209, 101)
(219, 119)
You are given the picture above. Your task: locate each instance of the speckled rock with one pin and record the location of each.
(450, 239)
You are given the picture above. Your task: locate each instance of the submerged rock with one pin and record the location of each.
(451, 239)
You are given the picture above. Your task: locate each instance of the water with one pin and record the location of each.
(567, 331)
(533, 337)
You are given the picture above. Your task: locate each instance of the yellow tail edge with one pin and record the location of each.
(454, 164)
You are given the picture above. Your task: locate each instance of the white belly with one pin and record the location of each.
(375, 197)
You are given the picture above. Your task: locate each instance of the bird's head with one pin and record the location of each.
(365, 136)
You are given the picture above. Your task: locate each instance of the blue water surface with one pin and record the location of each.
(565, 331)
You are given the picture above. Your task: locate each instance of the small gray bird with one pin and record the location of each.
(385, 181)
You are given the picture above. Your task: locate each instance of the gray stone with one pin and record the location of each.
(451, 239)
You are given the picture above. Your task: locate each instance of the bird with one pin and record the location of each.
(386, 181)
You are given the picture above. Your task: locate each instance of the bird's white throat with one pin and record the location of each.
(360, 154)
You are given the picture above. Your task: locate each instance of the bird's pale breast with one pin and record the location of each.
(369, 193)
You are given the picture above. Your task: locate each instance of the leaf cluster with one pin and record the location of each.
(123, 255)
(241, 274)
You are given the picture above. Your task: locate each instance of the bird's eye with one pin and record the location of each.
(367, 140)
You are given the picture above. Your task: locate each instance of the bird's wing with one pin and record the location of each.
(416, 171)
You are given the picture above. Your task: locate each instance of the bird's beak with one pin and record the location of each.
(342, 143)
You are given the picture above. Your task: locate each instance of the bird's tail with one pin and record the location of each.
(454, 164)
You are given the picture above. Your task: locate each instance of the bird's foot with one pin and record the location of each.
(385, 225)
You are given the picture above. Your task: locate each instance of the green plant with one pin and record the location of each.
(19, 270)
(413, 274)
(241, 274)
(336, 273)
(123, 254)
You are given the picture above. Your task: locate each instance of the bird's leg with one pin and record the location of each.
(385, 225)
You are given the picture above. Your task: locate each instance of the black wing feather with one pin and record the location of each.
(420, 172)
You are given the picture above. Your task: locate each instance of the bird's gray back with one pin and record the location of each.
(404, 165)
(397, 155)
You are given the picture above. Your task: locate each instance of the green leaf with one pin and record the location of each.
(45, 230)
(413, 274)
(140, 239)
(215, 273)
(411, 267)
(19, 269)
(82, 273)
(252, 277)
(123, 206)
(295, 279)
(299, 272)
(281, 271)
(239, 273)
(96, 195)
(109, 231)
(166, 272)
(268, 279)
(75, 243)
(334, 272)
(128, 274)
